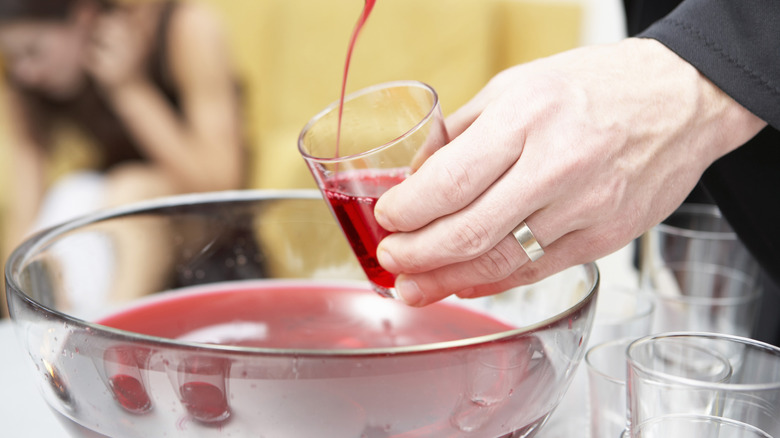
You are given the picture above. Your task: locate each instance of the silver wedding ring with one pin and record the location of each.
(528, 241)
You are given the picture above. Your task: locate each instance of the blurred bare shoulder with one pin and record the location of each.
(197, 38)
(197, 26)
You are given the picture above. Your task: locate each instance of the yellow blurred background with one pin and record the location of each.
(290, 55)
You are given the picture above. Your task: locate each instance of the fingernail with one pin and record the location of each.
(380, 216)
(408, 291)
(382, 220)
(386, 260)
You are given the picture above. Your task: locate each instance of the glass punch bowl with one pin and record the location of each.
(245, 314)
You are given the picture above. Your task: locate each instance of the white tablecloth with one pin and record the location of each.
(23, 413)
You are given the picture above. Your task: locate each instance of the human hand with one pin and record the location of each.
(119, 50)
(590, 148)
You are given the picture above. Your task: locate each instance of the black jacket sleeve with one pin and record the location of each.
(734, 43)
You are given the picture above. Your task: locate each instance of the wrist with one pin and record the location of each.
(720, 122)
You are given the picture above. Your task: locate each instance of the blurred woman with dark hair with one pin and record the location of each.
(148, 83)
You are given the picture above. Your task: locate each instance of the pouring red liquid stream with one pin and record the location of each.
(367, 8)
(355, 211)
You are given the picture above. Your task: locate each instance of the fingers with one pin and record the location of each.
(120, 41)
(448, 181)
(465, 116)
(461, 119)
(492, 271)
(569, 250)
(479, 227)
(463, 255)
(493, 266)
(470, 279)
(435, 138)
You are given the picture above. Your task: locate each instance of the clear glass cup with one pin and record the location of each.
(623, 314)
(606, 367)
(704, 374)
(700, 274)
(382, 135)
(260, 321)
(672, 426)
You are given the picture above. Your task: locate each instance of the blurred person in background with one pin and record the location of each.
(149, 84)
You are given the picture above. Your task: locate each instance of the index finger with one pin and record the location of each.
(451, 178)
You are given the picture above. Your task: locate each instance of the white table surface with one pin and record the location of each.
(23, 412)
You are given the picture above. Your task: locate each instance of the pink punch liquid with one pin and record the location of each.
(289, 317)
(305, 316)
(445, 392)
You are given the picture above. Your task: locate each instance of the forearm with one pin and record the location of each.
(722, 123)
(172, 143)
